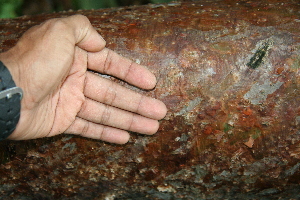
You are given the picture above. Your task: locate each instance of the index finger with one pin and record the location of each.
(111, 63)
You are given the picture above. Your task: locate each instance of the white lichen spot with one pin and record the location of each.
(233, 120)
(110, 197)
(139, 159)
(191, 105)
(259, 92)
(297, 20)
(210, 72)
(298, 120)
(138, 61)
(174, 4)
(167, 188)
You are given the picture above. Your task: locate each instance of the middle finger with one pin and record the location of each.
(110, 93)
(107, 115)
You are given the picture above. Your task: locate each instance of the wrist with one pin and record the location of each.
(10, 102)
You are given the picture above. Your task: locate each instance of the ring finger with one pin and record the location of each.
(100, 113)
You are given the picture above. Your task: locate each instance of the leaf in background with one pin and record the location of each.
(160, 1)
(95, 4)
(8, 8)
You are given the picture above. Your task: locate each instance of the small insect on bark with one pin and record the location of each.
(258, 58)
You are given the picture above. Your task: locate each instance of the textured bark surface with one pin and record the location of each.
(228, 72)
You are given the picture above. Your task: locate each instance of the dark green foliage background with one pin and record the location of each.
(15, 8)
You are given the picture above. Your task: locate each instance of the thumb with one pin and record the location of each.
(86, 37)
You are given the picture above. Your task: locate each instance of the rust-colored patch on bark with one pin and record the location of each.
(228, 72)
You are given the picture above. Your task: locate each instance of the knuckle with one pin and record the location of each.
(102, 133)
(110, 95)
(106, 115)
(108, 62)
(127, 72)
(132, 119)
(57, 24)
(138, 106)
(85, 129)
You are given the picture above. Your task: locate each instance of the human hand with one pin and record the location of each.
(50, 64)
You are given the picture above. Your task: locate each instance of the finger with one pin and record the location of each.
(109, 62)
(96, 131)
(107, 115)
(85, 36)
(111, 93)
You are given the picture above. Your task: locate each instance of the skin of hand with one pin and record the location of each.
(50, 63)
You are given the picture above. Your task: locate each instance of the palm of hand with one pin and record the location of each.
(69, 97)
(74, 100)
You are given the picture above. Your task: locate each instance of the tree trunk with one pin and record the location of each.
(228, 72)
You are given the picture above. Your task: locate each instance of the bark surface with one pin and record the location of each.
(228, 72)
